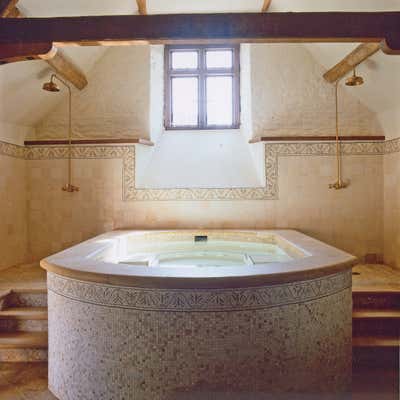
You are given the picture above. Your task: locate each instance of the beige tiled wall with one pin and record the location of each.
(350, 219)
(392, 208)
(13, 211)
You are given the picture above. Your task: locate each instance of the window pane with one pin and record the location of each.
(219, 100)
(184, 101)
(219, 59)
(184, 59)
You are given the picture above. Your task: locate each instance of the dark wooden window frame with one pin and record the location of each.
(201, 73)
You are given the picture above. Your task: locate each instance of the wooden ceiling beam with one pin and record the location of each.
(142, 6)
(237, 27)
(67, 69)
(15, 13)
(266, 5)
(356, 57)
(6, 7)
(25, 51)
(55, 58)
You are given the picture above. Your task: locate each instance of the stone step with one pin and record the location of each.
(376, 351)
(23, 346)
(3, 297)
(30, 313)
(376, 341)
(23, 325)
(376, 299)
(372, 322)
(373, 313)
(37, 298)
(23, 355)
(23, 340)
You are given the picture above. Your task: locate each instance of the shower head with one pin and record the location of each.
(51, 86)
(354, 80)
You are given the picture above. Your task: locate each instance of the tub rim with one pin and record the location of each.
(79, 263)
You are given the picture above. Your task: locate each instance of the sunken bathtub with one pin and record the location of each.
(199, 315)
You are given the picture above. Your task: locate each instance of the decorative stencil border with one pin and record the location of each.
(12, 150)
(272, 153)
(392, 146)
(198, 299)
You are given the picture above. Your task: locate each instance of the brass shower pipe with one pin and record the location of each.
(53, 87)
(352, 81)
(339, 184)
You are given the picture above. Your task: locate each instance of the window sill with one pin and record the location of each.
(202, 130)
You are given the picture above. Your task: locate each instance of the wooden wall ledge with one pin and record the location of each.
(314, 138)
(145, 142)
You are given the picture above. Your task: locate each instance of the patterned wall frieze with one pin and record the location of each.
(269, 192)
(126, 152)
(12, 150)
(392, 146)
(199, 299)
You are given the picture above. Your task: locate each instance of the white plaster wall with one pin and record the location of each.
(114, 104)
(200, 160)
(290, 96)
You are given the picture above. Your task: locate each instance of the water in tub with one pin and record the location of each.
(205, 253)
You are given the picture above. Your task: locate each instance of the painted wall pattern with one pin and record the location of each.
(272, 153)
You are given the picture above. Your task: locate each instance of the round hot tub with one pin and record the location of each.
(199, 315)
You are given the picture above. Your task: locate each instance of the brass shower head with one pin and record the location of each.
(354, 80)
(51, 86)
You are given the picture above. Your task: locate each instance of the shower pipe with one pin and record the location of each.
(52, 87)
(339, 184)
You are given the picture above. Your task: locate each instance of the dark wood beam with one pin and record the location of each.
(356, 57)
(61, 64)
(238, 27)
(314, 138)
(25, 51)
(58, 142)
(7, 7)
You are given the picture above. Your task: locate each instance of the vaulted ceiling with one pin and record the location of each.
(22, 102)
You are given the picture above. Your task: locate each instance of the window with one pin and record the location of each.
(202, 87)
